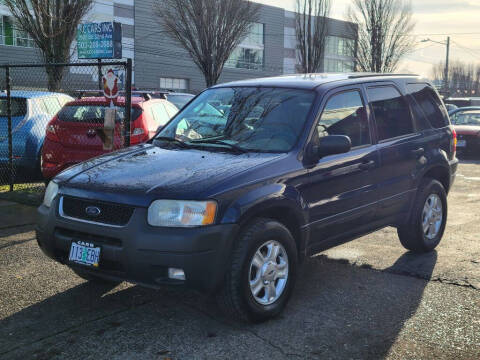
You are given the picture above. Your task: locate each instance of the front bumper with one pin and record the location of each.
(140, 253)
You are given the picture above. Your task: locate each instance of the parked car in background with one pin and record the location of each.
(74, 134)
(466, 122)
(451, 107)
(252, 177)
(463, 101)
(177, 99)
(31, 111)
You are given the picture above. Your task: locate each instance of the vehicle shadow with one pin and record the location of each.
(337, 311)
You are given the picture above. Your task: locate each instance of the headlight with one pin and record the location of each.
(176, 213)
(50, 193)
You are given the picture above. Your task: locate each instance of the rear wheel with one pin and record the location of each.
(262, 273)
(425, 228)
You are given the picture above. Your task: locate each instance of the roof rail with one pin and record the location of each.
(365, 75)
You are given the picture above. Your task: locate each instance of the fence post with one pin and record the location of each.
(128, 102)
(9, 125)
(99, 65)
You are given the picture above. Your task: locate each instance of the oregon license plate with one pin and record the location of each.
(84, 253)
(461, 143)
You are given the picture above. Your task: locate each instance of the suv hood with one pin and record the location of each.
(149, 170)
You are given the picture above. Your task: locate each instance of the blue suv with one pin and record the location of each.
(252, 177)
(30, 113)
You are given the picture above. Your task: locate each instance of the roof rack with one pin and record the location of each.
(365, 75)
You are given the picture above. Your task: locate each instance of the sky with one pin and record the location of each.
(435, 19)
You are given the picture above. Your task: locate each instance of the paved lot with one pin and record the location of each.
(368, 299)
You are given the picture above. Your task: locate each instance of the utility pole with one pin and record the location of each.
(445, 74)
(445, 78)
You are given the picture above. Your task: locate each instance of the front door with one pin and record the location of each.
(340, 187)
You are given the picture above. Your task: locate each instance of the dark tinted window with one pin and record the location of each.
(392, 114)
(93, 113)
(345, 114)
(431, 106)
(18, 107)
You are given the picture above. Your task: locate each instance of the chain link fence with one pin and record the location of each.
(53, 116)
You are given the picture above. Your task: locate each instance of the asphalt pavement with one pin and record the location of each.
(368, 299)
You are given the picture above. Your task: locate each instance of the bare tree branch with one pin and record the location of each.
(209, 30)
(463, 81)
(52, 24)
(384, 27)
(311, 32)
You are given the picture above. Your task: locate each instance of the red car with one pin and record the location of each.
(74, 134)
(466, 122)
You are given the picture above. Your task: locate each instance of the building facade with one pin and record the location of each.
(160, 63)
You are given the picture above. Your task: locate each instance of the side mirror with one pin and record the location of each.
(333, 144)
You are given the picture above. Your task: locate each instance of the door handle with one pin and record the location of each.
(367, 165)
(418, 152)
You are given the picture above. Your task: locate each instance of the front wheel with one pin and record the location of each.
(262, 272)
(424, 230)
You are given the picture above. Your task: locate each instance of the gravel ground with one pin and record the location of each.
(368, 299)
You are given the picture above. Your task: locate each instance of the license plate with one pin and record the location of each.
(84, 253)
(461, 143)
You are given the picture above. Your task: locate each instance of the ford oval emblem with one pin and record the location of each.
(93, 211)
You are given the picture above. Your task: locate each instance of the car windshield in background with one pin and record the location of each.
(179, 100)
(466, 118)
(19, 107)
(92, 113)
(246, 118)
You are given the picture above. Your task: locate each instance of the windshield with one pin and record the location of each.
(471, 117)
(254, 119)
(179, 100)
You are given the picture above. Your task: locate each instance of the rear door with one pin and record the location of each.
(401, 147)
(339, 189)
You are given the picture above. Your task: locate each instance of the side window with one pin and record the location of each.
(430, 104)
(160, 114)
(391, 111)
(345, 114)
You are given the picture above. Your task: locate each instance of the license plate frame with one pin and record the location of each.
(88, 259)
(462, 143)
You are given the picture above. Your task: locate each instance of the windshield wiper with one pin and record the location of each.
(222, 142)
(170, 139)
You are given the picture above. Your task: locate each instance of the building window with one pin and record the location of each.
(12, 36)
(250, 53)
(342, 66)
(173, 84)
(339, 46)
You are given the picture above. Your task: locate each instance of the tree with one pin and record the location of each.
(311, 32)
(209, 30)
(52, 24)
(384, 27)
(464, 79)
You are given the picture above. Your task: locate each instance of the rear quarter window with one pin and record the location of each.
(429, 107)
(18, 107)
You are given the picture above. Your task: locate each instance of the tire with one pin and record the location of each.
(412, 234)
(236, 298)
(92, 278)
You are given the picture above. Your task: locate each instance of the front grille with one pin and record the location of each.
(110, 213)
(68, 236)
